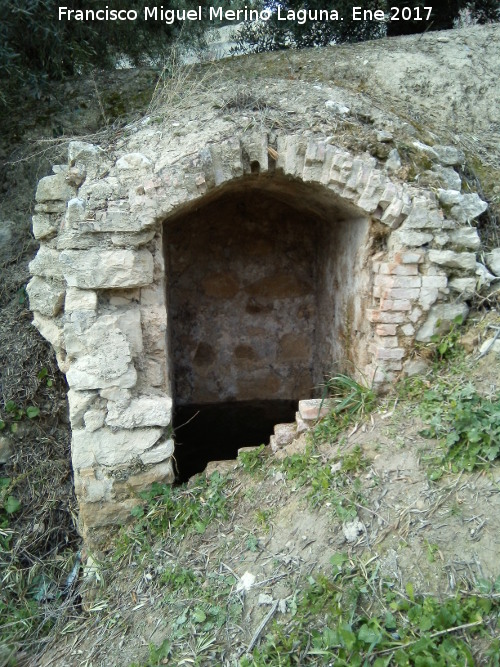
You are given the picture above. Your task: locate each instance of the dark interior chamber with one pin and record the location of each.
(215, 431)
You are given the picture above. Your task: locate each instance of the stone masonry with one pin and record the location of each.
(405, 268)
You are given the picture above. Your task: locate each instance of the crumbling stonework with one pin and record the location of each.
(248, 267)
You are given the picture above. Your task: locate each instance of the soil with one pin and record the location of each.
(442, 536)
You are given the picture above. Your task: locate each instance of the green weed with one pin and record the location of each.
(466, 423)
(177, 511)
(333, 623)
(329, 482)
(350, 399)
(448, 346)
(252, 460)
(14, 414)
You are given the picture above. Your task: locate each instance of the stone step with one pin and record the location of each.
(312, 409)
(287, 438)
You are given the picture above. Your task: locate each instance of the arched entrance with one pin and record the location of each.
(266, 283)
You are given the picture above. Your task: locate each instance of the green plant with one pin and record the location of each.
(333, 483)
(44, 375)
(349, 400)
(448, 345)
(14, 414)
(251, 461)
(466, 423)
(334, 622)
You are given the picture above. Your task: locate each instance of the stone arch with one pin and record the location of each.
(98, 287)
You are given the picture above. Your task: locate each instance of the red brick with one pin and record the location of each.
(407, 281)
(385, 317)
(386, 330)
(402, 293)
(410, 257)
(398, 304)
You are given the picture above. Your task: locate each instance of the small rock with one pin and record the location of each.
(336, 107)
(485, 277)
(393, 161)
(353, 529)
(464, 208)
(384, 136)
(416, 367)
(448, 176)
(490, 346)
(133, 161)
(464, 286)
(264, 599)
(493, 261)
(449, 156)
(246, 582)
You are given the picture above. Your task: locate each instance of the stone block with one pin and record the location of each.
(111, 448)
(133, 161)
(389, 354)
(104, 269)
(92, 487)
(439, 282)
(83, 374)
(94, 419)
(395, 305)
(449, 156)
(412, 257)
(463, 208)
(385, 317)
(159, 473)
(428, 296)
(75, 213)
(54, 188)
(50, 330)
(158, 453)
(45, 225)
(103, 357)
(79, 403)
(440, 320)
(423, 217)
(46, 264)
(466, 237)
(313, 409)
(45, 296)
(284, 434)
(395, 269)
(408, 329)
(454, 260)
(403, 293)
(82, 151)
(386, 330)
(80, 300)
(388, 342)
(143, 411)
(464, 286)
(409, 238)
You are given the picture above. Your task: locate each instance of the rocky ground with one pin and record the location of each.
(441, 536)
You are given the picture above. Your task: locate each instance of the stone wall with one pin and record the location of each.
(361, 266)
